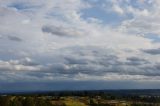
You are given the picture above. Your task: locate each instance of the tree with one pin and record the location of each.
(41, 102)
(29, 101)
(4, 100)
(16, 102)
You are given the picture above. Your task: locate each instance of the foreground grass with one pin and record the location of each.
(71, 102)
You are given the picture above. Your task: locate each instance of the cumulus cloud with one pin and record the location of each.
(117, 9)
(18, 65)
(145, 18)
(139, 16)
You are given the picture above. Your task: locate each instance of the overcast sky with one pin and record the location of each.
(79, 44)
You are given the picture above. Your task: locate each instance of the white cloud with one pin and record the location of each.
(145, 17)
(18, 65)
(117, 9)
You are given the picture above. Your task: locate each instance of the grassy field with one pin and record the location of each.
(69, 101)
(74, 103)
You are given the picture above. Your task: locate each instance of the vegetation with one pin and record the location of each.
(80, 98)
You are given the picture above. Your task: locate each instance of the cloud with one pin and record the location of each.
(82, 64)
(136, 61)
(14, 38)
(143, 17)
(152, 51)
(118, 10)
(62, 45)
(1, 36)
(140, 16)
(61, 31)
(86, 63)
(19, 65)
(23, 5)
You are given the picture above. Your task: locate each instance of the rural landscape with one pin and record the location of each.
(84, 98)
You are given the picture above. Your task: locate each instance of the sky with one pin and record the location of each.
(79, 44)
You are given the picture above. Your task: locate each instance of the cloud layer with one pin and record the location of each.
(80, 40)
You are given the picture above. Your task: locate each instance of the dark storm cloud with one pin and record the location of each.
(14, 38)
(152, 51)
